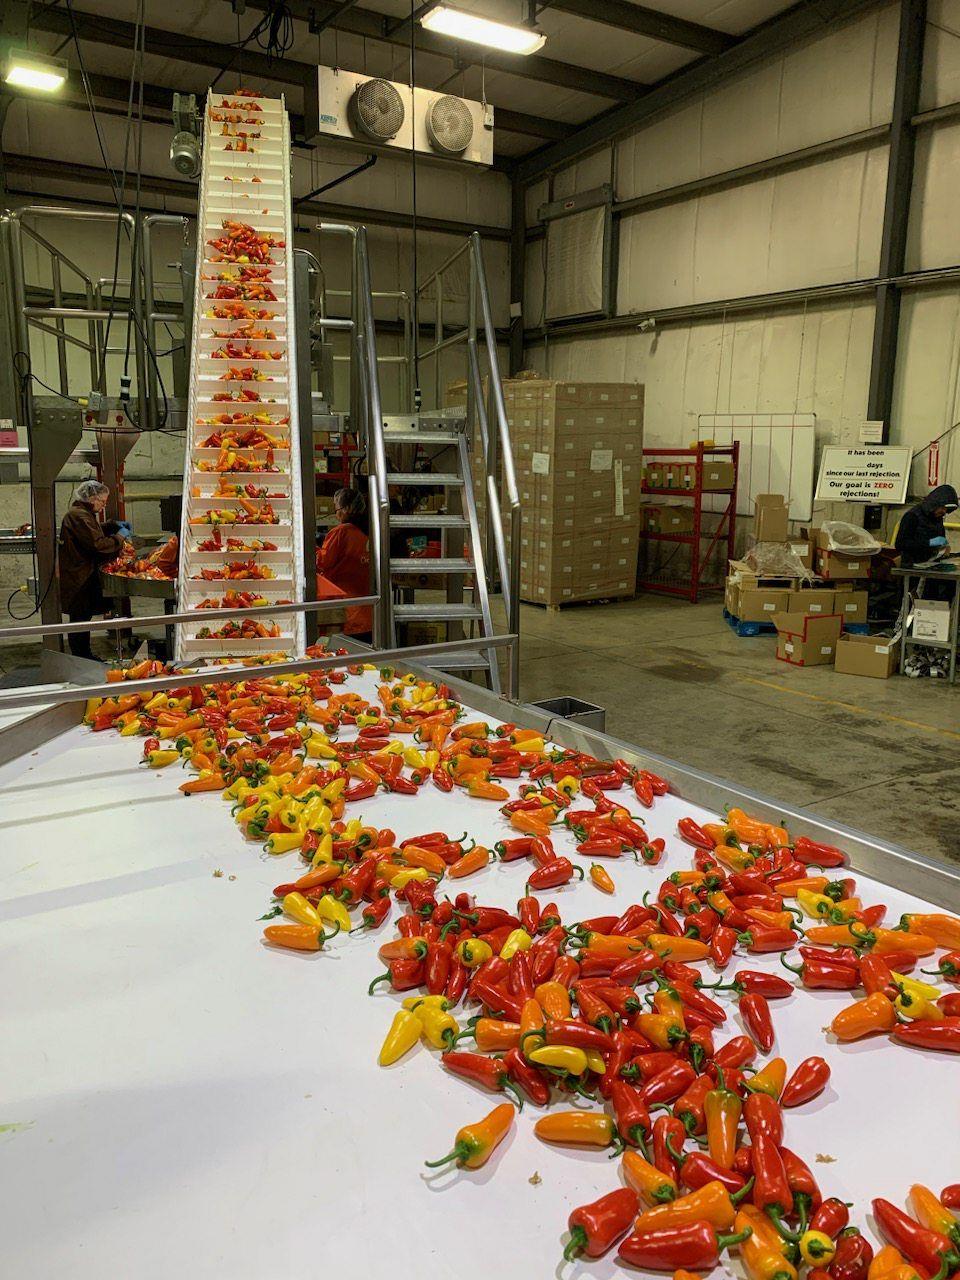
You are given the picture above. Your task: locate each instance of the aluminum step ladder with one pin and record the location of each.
(459, 573)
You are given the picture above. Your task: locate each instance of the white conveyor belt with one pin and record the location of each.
(185, 1101)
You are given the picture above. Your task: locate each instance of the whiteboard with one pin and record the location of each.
(777, 453)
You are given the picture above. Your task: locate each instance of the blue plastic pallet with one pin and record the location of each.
(748, 628)
(767, 628)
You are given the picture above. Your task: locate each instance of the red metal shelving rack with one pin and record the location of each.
(726, 527)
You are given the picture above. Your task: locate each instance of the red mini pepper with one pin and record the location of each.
(755, 1013)
(694, 834)
(771, 1189)
(763, 1117)
(596, 1227)
(692, 1247)
(668, 1138)
(807, 1082)
(831, 1218)
(853, 1257)
(943, 1035)
(553, 874)
(633, 1117)
(528, 1078)
(759, 939)
(489, 1072)
(823, 855)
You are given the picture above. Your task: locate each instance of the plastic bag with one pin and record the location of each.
(849, 539)
(776, 560)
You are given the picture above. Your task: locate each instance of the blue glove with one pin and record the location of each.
(938, 542)
(124, 530)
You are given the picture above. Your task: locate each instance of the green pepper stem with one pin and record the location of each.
(776, 1217)
(578, 1242)
(384, 977)
(510, 1088)
(459, 1152)
(744, 1191)
(724, 1242)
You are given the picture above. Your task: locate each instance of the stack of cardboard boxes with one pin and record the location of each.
(810, 613)
(833, 584)
(578, 451)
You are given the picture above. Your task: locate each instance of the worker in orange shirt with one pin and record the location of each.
(343, 562)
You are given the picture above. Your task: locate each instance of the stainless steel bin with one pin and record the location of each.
(585, 713)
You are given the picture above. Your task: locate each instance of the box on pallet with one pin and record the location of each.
(770, 519)
(578, 455)
(807, 641)
(867, 656)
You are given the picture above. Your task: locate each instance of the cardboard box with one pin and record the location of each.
(850, 604)
(653, 475)
(770, 518)
(830, 566)
(814, 600)
(931, 620)
(650, 516)
(717, 475)
(867, 656)
(676, 519)
(804, 550)
(761, 604)
(807, 641)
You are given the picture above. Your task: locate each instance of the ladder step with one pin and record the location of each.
(465, 660)
(436, 612)
(420, 437)
(422, 564)
(426, 520)
(437, 478)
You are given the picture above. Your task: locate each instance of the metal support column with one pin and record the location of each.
(518, 251)
(896, 213)
(308, 463)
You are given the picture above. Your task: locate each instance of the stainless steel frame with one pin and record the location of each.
(891, 864)
(366, 413)
(496, 444)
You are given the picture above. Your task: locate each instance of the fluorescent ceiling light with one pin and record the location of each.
(25, 70)
(477, 30)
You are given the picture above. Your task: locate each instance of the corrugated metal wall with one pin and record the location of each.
(812, 226)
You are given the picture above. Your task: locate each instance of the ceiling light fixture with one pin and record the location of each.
(477, 30)
(27, 70)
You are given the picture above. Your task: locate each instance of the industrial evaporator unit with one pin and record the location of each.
(384, 113)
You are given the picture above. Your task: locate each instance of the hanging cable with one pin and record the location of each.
(414, 294)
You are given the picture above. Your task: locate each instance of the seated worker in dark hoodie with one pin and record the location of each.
(922, 535)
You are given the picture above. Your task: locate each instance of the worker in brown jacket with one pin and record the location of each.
(84, 547)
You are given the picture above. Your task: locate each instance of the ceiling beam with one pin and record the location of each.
(377, 26)
(647, 22)
(801, 22)
(91, 175)
(207, 53)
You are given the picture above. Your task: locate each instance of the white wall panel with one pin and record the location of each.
(818, 225)
(934, 234)
(926, 395)
(664, 154)
(837, 84)
(941, 55)
(592, 171)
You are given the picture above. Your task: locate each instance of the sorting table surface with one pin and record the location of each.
(182, 1099)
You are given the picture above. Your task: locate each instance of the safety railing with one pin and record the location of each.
(53, 319)
(481, 408)
(16, 699)
(367, 415)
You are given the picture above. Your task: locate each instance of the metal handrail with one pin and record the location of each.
(39, 631)
(228, 675)
(151, 317)
(367, 410)
(497, 444)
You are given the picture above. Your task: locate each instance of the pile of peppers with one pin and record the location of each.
(624, 1011)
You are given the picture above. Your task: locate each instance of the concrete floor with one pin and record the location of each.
(879, 755)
